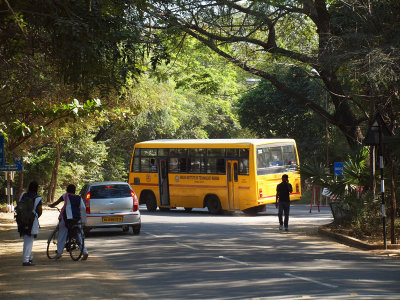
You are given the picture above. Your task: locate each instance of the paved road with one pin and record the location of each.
(200, 256)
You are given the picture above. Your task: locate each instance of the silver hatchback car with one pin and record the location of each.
(111, 204)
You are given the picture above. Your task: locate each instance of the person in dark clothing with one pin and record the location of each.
(29, 233)
(74, 210)
(283, 191)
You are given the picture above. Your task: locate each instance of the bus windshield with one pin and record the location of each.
(276, 158)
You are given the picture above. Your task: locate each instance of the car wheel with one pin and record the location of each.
(136, 229)
(86, 231)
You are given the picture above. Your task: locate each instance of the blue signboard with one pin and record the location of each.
(11, 168)
(338, 168)
(18, 165)
(4, 165)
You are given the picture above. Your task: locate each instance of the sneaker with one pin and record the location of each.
(286, 229)
(27, 264)
(85, 256)
(280, 227)
(58, 256)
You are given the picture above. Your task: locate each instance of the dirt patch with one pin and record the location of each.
(351, 237)
(371, 238)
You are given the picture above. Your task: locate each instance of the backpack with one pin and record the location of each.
(24, 214)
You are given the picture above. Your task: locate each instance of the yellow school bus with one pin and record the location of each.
(220, 174)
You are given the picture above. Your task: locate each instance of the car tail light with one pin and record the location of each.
(87, 203)
(297, 188)
(135, 201)
(261, 193)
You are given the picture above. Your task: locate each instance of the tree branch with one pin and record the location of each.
(279, 85)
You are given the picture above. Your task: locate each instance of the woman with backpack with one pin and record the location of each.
(74, 210)
(29, 209)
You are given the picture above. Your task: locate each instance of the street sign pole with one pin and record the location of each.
(374, 138)
(382, 186)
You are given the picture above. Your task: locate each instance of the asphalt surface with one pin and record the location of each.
(95, 278)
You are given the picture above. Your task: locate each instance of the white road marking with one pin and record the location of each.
(187, 246)
(311, 280)
(152, 234)
(233, 260)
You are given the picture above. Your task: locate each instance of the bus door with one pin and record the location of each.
(233, 186)
(163, 181)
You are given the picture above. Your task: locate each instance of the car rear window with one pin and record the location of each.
(110, 191)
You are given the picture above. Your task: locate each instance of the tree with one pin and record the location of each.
(299, 33)
(55, 51)
(273, 114)
(193, 96)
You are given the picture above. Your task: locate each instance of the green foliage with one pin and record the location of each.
(56, 56)
(81, 152)
(315, 173)
(271, 113)
(355, 170)
(356, 204)
(38, 165)
(91, 45)
(81, 161)
(367, 54)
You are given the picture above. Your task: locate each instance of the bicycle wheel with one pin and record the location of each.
(52, 244)
(76, 243)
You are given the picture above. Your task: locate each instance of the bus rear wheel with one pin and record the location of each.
(252, 211)
(214, 205)
(150, 201)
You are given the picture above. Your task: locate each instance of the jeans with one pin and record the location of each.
(284, 207)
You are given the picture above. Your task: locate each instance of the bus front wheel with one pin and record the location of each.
(214, 205)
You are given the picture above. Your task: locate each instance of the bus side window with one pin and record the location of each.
(182, 164)
(244, 166)
(197, 160)
(153, 165)
(136, 164)
(221, 166)
(145, 164)
(194, 166)
(173, 165)
(212, 165)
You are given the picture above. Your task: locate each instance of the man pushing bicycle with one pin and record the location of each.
(73, 212)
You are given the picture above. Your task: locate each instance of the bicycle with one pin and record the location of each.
(74, 245)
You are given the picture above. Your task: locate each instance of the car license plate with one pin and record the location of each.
(112, 219)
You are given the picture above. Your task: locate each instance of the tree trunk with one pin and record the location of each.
(20, 184)
(54, 175)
